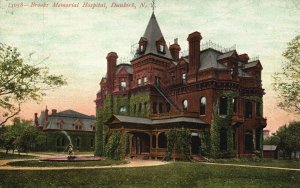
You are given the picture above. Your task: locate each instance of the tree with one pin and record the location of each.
(20, 82)
(287, 138)
(21, 135)
(28, 137)
(287, 82)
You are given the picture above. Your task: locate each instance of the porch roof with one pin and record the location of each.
(139, 120)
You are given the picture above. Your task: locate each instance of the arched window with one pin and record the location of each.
(235, 105)
(223, 106)
(248, 109)
(223, 139)
(160, 107)
(168, 107)
(248, 141)
(154, 108)
(184, 104)
(92, 143)
(162, 140)
(123, 109)
(202, 105)
(258, 109)
(77, 142)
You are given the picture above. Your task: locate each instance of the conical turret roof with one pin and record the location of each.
(152, 35)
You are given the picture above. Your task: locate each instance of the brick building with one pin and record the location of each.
(210, 91)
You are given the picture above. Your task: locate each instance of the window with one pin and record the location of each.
(234, 105)
(92, 143)
(145, 80)
(248, 109)
(139, 82)
(123, 109)
(123, 86)
(161, 48)
(248, 141)
(258, 109)
(223, 139)
(184, 104)
(77, 142)
(140, 107)
(154, 108)
(157, 80)
(160, 107)
(142, 48)
(168, 107)
(223, 106)
(202, 105)
(184, 77)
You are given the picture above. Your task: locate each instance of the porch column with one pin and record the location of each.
(254, 139)
(150, 151)
(123, 143)
(156, 146)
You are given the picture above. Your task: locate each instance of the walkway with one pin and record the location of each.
(131, 163)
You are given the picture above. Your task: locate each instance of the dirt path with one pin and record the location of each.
(252, 166)
(131, 163)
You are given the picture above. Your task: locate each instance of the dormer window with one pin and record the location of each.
(142, 45)
(162, 48)
(161, 45)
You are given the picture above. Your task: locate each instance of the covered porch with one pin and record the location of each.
(148, 137)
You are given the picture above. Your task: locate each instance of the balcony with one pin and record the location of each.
(174, 115)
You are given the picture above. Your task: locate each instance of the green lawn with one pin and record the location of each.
(37, 163)
(177, 174)
(260, 162)
(14, 156)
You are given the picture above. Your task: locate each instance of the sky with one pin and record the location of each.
(75, 40)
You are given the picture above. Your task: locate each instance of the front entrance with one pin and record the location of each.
(196, 144)
(140, 143)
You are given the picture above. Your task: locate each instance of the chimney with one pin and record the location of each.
(244, 58)
(54, 111)
(46, 114)
(175, 49)
(194, 55)
(111, 66)
(36, 122)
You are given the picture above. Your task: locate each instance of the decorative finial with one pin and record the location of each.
(153, 5)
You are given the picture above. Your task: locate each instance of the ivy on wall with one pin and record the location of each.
(113, 148)
(137, 99)
(178, 142)
(121, 101)
(117, 144)
(205, 142)
(219, 122)
(257, 151)
(102, 116)
(256, 99)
